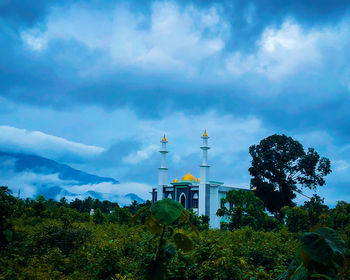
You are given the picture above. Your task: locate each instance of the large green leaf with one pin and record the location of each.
(323, 246)
(317, 248)
(333, 239)
(153, 225)
(166, 210)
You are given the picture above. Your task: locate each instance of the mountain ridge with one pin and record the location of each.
(67, 177)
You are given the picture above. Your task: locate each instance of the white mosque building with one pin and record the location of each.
(202, 195)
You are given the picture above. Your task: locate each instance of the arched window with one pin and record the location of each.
(195, 201)
(170, 195)
(182, 200)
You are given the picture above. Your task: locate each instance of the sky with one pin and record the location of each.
(96, 84)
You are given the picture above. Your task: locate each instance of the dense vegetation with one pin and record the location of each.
(45, 239)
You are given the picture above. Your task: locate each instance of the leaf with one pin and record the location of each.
(323, 245)
(8, 235)
(166, 211)
(139, 213)
(182, 241)
(333, 239)
(153, 225)
(170, 250)
(305, 258)
(300, 274)
(316, 247)
(195, 229)
(323, 276)
(185, 216)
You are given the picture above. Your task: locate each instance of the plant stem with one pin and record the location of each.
(160, 243)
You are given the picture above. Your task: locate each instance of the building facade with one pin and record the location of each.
(202, 195)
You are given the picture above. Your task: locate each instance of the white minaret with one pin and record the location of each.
(204, 176)
(163, 170)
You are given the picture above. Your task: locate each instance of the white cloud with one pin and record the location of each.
(12, 138)
(228, 133)
(140, 155)
(290, 49)
(281, 52)
(30, 184)
(139, 189)
(341, 165)
(192, 40)
(176, 38)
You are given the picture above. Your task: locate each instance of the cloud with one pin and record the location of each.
(15, 139)
(177, 38)
(286, 50)
(140, 155)
(119, 75)
(142, 190)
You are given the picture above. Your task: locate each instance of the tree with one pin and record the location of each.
(280, 167)
(297, 218)
(98, 217)
(119, 215)
(244, 209)
(7, 202)
(316, 208)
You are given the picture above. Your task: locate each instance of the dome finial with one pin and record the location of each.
(205, 133)
(188, 177)
(164, 139)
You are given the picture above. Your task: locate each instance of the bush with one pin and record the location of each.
(297, 219)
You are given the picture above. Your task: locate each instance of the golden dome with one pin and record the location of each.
(164, 139)
(188, 177)
(175, 180)
(199, 180)
(205, 133)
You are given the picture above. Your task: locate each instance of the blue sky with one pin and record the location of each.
(95, 84)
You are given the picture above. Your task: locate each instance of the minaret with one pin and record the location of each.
(204, 175)
(163, 170)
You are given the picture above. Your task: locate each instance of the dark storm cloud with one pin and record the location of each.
(254, 16)
(53, 76)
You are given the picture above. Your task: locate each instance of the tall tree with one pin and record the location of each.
(280, 167)
(244, 208)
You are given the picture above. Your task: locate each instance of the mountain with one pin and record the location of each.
(41, 165)
(34, 175)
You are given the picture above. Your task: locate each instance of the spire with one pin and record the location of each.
(162, 170)
(204, 177)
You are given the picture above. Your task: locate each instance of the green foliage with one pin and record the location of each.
(315, 207)
(281, 167)
(161, 215)
(320, 255)
(7, 208)
(98, 217)
(244, 209)
(297, 219)
(66, 243)
(119, 215)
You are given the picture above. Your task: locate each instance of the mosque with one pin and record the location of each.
(202, 195)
